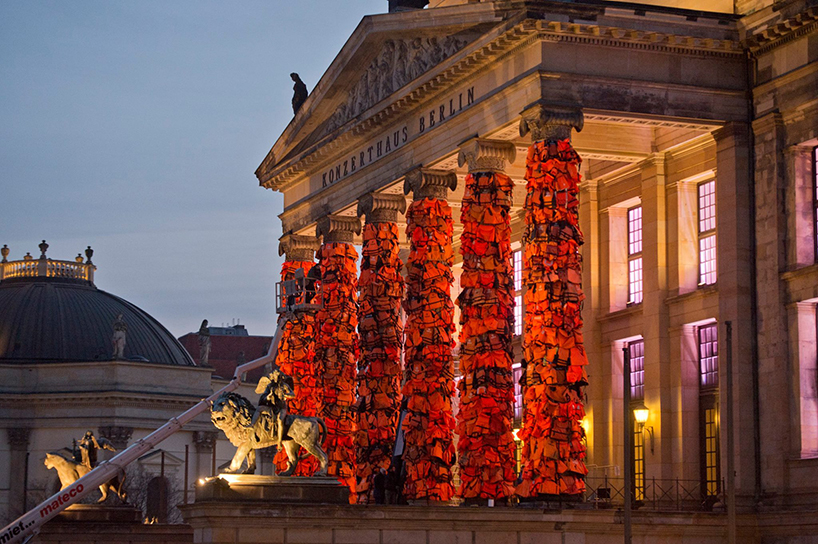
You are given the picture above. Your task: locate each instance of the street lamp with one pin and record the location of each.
(641, 413)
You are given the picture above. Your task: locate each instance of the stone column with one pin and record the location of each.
(735, 220)
(429, 373)
(296, 350)
(485, 418)
(336, 351)
(381, 329)
(553, 447)
(18, 438)
(204, 442)
(655, 316)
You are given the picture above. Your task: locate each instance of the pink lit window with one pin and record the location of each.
(517, 373)
(815, 195)
(517, 260)
(635, 255)
(707, 232)
(518, 315)
(518, 269)
(636, 354)
(709, 356)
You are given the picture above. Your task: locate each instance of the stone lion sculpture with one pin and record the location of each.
(233, 415)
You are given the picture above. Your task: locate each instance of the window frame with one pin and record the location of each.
(634, 257)
(705, 234)
(815, 200)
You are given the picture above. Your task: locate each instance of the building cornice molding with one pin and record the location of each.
(471, 61)
(775, 36)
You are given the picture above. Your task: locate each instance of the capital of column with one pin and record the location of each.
(381, 208)
(550, 122)
(117, 434)
(484, 155)
(204, 441)
(338, 228)
(18, 437)
(429, 183)
(296, 247)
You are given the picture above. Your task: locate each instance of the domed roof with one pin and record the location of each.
(59, 318)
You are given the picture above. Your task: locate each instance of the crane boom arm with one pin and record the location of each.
(31, 521)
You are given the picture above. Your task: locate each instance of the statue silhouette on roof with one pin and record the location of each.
(299, 92)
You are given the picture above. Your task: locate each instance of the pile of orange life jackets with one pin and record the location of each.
(428, 425)
(379, 370)
(552, 434)
(295, 358)
(484, 423)
(336, 357)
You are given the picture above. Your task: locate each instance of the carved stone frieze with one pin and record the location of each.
(484, 155)
(429, 183)
(398, 63)
(338, 228)
(381, 208)
(117, 434)
(18, 437)
(550, 122)
(296, 247)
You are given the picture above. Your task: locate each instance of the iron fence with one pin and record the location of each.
(655, 494)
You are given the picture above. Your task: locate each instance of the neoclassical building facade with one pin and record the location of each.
(696, 131)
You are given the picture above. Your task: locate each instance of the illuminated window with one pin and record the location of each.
(635, 255)
(636, 355)
(709, 410)
(815, 197)
(707, 232)
(709, 356)
(517, 259)
(518, 269)
(638, 463)
(517, 373)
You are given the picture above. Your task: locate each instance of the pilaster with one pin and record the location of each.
(204, 442)
(735, 259)
(655, 316)
(117, 434)
(18, 440)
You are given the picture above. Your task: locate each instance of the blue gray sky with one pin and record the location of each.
(135, 127)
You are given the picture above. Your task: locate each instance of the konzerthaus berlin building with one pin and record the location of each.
(696, 124)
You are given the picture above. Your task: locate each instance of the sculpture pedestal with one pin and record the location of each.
(272, 489)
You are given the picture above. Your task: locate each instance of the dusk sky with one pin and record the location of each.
(136, 127)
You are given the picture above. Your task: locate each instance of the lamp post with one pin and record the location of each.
(626, 424)
(641, 413)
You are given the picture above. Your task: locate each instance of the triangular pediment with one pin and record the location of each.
(399, 62)
(383, 60)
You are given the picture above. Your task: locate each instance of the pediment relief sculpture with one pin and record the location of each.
(398, 63)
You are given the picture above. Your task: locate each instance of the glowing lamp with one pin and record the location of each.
(641, 413)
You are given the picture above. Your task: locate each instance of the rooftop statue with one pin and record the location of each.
(118, 339)
(299, 92)
(204, 344)
(250, 428)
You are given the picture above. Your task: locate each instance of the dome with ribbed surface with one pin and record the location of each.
(57, 319)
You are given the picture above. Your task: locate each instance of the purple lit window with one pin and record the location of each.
(709, 356)
(636, 355)
(635, 255)
(707, 233)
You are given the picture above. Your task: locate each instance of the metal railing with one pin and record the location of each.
(657, 495)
